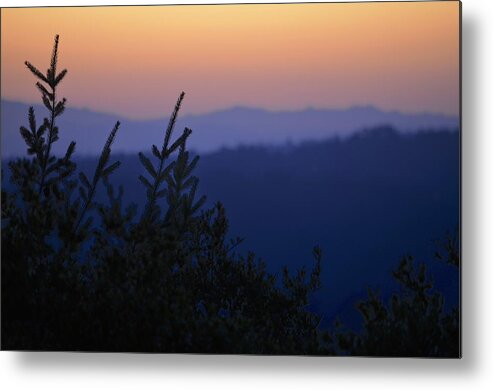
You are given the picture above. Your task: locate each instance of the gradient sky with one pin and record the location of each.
(134, 61)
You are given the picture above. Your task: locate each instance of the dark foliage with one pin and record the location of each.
(413, 322)
(165, 281)
(79, 273)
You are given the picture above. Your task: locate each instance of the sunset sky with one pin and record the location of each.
(134, 61)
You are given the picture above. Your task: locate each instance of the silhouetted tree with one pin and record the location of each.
(81, 274)
(84, 275)
(414, 322)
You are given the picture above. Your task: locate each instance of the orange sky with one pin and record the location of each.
(135, 60)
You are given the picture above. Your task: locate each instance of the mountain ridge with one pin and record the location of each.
(224, 128)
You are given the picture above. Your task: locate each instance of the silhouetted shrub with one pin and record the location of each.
(414, 322)
(81, 275)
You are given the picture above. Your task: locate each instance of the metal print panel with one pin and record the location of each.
(301, 198)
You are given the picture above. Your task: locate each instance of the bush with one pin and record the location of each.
(81, 275)
(414, 322)
(78, 274)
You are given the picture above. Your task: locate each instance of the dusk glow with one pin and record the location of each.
(134, 61)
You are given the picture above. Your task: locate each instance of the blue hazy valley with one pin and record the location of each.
(365, 185)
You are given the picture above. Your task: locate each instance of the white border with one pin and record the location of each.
(88, 371)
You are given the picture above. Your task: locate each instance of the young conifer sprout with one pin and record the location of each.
(38, 145)
(102, 172)
(168, 173)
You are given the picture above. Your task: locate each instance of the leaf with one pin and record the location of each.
(105, 154)
(70, 150)
(41, 130)
(166, 171)
(54, 57)
(189, 182)
(180, 142)
(108, 171)
(111, 137)
(60, 76)
(156, 152)
(147, 165)
(84, 180)
(172, 121)
(45, 125)
(199, 204)
(47, 103)
(26, 134)
(176, 144)
(192, 165)
(60, 107)
(32, 120)
(50, 77)
(65, 172)
(145, 181)
(44, 91)
(193, 190)
(53, 167)
(36, 71)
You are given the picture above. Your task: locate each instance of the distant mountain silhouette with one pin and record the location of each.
(221, 129)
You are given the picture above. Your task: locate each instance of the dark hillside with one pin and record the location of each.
(366, 201)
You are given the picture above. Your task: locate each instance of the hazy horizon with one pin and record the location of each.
(167, 110)
(229, 128)
(136, 60)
